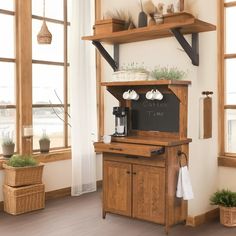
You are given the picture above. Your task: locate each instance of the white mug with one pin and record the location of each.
(157, 95)
(106, 139)
(126, 95)
(149, 95)
(133, 95)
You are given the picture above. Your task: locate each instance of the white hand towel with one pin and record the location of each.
(179, 192)
(184, 187)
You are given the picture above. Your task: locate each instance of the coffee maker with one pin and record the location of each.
(121, 121)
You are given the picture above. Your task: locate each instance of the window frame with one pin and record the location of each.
(223, 107)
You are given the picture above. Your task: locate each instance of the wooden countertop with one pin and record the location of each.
(151, 140)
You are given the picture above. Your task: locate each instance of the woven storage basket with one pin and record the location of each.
(228, 216)
(20, 176)
(23, 199)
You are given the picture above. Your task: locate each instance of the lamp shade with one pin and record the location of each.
(44, 36)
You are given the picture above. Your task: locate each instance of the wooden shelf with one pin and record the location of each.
(147, 83)
(175, 25)
(188, 26)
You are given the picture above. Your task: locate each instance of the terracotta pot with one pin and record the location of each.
(8, 150)
(44, 145)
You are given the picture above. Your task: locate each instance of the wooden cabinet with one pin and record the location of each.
(134, 190)
(140, 171)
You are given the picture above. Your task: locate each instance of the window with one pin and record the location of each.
(50, 76)
(228, 78)
(8, 71)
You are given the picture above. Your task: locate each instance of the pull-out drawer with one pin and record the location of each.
(129, 149)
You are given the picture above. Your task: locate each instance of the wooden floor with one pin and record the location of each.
(81, 216)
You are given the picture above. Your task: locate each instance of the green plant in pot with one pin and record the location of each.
(8, 145)
(44, 143)
(22, 170)
(226, 200)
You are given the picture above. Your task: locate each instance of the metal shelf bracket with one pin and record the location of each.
(114, 63)
(191, 50)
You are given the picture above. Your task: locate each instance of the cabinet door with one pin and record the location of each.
(149, 193)
(117, 187)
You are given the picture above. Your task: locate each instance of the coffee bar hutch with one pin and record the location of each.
(140, 171)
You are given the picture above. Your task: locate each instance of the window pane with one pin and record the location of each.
(69, 10)
(48, 84)
(7, 123)
(7, 25)
(230, 30)
(231, 131)
(7, 5)
(53, 8)
(7, 83)
(230, 81)
(45, 119)
(48, 52)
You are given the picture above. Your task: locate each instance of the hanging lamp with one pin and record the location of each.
(44, 36)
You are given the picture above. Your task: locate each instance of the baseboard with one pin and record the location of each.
(99, 184)
(203, 218)
(1, 206)
(64, 192)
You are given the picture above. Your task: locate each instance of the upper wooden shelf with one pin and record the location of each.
(185, 22)
(147, 82)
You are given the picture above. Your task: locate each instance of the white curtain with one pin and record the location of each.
(83, 98)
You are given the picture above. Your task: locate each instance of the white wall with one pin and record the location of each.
(56, 175)
(203, 153)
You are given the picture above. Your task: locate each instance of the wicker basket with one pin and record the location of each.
(21, 176)
(228, 216)
(23, 199)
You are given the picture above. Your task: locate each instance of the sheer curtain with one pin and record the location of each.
(83, 98)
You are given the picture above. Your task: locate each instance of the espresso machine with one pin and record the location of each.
(121, 121)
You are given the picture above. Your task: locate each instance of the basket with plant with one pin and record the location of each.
(21, 170)
(226, 200)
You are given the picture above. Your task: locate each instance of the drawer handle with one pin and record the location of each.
(128, 172)
(116, 149)
(134, 173)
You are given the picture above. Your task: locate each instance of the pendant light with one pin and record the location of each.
(44, 36)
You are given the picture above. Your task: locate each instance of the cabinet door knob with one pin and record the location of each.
(134, 173)
(128, 172)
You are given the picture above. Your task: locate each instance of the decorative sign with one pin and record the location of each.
(154, 115)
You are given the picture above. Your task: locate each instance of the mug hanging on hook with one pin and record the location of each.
(44, 36)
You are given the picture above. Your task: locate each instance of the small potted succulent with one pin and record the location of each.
(226, 200)
(8, 145)
(44, 143)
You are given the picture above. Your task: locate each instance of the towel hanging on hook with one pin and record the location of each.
(184, 187)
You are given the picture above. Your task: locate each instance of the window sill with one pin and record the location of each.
(53, 156)
(227, 161)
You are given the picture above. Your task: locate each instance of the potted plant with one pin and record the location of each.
(226, 200)
(8, 146)
(21, 170)
(44, 143)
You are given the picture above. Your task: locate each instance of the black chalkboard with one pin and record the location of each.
(154, 115)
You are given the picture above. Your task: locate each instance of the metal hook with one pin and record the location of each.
(180, 154)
